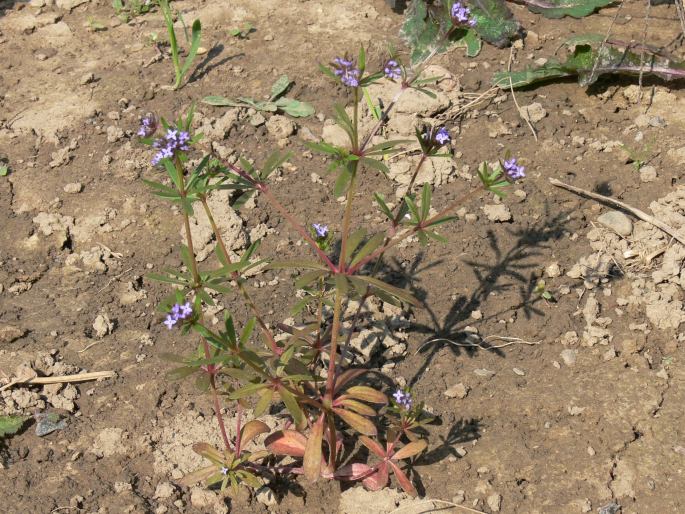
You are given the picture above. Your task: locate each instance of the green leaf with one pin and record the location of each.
(368, 247)
(403, 295)
(376, 164)
(195, 44)
(561, 8)
(341, 183)
(279, 87)
(425, 201)
(425, 27)
(264, 402)
(590, 58)
(248, 390)
(221, 101)
(11, 424)
(295, 108)
(494, 21)
(353, 241)
(357, 421)
(293, 407)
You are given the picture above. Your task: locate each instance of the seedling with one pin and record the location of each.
(276, 101)
(180, 70)
(242, 33)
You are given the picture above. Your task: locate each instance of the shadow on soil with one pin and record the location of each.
(510, 270)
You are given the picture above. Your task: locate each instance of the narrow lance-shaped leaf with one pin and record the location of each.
(359, 423)
(194, 45)
(313, 451)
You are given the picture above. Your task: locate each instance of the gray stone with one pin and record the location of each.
(457, 391)
(617, 221)
(498, 212)
(569, 357)
(495, 502)
(533, 112)
(648, 174)
(280, 127)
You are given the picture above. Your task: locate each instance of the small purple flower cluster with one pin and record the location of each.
(345, 69)
(392, 70)
(513, 170)
(403, 399)
(178, 312)
(148, 126)
(172, 142)
(320, 230)
(436, 138)
(461, 15)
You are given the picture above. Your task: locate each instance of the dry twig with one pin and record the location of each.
(65, 379)
(510, 341)
(518, 107)
(616, 203)
(433, 507)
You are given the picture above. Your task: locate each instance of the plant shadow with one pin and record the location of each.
(511, 269)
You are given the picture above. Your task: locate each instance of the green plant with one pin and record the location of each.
(242, 33)
(308, 373)
(276, 101)
(638, 157)
(10, 425)
(95, 26)
(4, 170)
(131, 9)
(180, 70)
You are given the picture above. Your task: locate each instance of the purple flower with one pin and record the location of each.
(392, 70)
(442, 136)
(178, 312)
(224, 470)
(461, 15)
(513, 170)
(148, 126)
(320, 229)
(434, 138)
(170, 321)
(403, 399)
(345, 69)
(186, 310)
(172, 142)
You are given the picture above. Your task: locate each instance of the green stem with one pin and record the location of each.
(409, 232)
(241, 286)
(330, 379)
(395, 222)
(196, 278)
(297, 226)
(346, 218)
